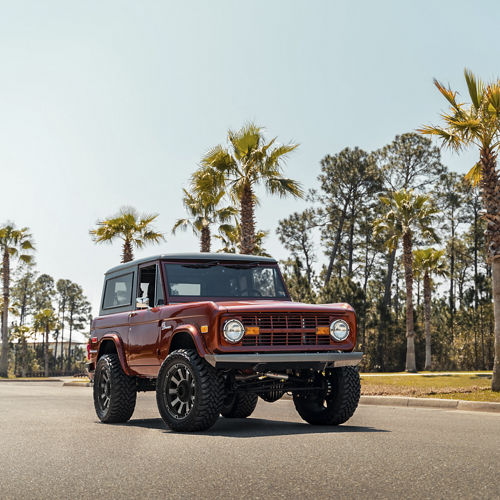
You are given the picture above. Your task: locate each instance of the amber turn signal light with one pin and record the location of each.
(323, 330)
(252, 330)
(204, 329)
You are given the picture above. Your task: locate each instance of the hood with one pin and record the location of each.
(281, 306)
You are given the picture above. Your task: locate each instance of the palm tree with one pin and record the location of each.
(204, 212)
(14, 243)
(131, 227)
(427, 262)
(230, 236)
(478, 124)
(45, 321)
(248, 161)
(406, 213)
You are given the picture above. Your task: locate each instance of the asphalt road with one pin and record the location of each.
(52, 446)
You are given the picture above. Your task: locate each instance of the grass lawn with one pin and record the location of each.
(471, 387)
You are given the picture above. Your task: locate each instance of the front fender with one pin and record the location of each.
(192, 331)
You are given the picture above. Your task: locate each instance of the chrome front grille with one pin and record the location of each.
(286, 329)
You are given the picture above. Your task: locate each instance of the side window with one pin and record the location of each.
(147, 284)
(118, 291)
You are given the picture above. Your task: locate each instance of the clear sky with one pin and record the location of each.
(111, 103)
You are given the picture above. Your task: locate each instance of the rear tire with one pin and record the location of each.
(114, 392)
(239, 405)
(189, 392)
(337, 405)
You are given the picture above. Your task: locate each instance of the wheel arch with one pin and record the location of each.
(111, 343)
(186, 337)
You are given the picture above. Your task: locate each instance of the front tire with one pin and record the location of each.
(337, 403)
(189, 392)
(115, 392)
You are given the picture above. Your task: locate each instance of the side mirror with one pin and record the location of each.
(142, 303)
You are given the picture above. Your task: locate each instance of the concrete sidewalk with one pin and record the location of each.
(450, 404)
(424, 374)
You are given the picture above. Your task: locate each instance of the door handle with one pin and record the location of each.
(131, 315)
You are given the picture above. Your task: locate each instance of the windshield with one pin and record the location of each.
(224, 280)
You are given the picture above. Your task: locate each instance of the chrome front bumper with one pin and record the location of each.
(285, 360)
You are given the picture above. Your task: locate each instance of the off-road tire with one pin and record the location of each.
(336, 407)
(114, 392)
(239, 405)
(205, 392)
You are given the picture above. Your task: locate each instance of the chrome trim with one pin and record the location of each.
(332, 329)
(335, 359)
(233, 320)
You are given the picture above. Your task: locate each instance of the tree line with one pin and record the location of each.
(34, 304)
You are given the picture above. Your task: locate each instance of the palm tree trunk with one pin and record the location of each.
(55, 348)
(427, 321)
(490, 191)
(128, 253)
(46, 352)
(247, 221)
(69, 342)
(452, 283)
(476, 281)
(4, 359)
(205, 239)
(63, 322)
(495, 383)
(411, 365)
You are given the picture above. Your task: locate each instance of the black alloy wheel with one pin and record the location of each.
(181, 390)
(104, 390)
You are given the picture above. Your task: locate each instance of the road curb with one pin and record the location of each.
(30, 380)
(75, 383)
(449, 404)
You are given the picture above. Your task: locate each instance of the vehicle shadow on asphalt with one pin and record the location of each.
(256, 427)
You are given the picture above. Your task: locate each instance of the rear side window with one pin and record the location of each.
(118, 291)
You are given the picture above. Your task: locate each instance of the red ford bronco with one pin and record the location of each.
(213, 332)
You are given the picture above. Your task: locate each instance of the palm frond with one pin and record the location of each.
(283, 187)
(475, 174)
(449, 138)
(493, 97)
(448, 94)
(245, 140)
(181, 224)
(226, 213)
(476, 88)
(219, 158)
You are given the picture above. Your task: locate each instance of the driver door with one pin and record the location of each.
(144, 323)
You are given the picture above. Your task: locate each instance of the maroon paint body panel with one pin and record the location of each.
(143, 337)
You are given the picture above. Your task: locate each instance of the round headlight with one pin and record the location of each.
(339, 330)
(233, 331)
